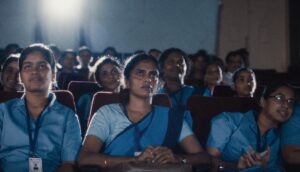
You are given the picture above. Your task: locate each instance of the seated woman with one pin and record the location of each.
(290, 138)
(137, 131)
(250, 140)
(213, 76)
(10, 76)
(244, 82)
(173, 66)
(108, 75)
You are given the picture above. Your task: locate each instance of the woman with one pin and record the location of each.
(173, 65)
(10, 76)
(213, 76)
(244, 82)
(199, 63)
(250, 141)
(137, 131)
(108, 75)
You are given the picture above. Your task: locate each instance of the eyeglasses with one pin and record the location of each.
(282, 99)
(141, 74)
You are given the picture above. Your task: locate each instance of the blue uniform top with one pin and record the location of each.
(233, 132)
(180, 97)
(59, 137)
(290, 133)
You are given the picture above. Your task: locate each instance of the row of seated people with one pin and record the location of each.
(134, 131)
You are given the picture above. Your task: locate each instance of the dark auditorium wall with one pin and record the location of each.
(126, 24)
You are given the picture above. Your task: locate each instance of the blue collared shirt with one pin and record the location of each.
(290, 133)
(59, 137)
(233, 132)
(180, 97)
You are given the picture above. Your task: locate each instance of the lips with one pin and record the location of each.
(148, 88)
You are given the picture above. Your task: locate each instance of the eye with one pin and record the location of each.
(27, 67)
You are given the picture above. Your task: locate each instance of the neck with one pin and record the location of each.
(173, 85)
(264, 123)
(116, 90)
(36, 101)
(138, 106)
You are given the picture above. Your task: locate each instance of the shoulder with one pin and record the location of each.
(232, 117)
(11, 104)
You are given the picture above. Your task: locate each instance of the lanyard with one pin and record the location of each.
(33, 141)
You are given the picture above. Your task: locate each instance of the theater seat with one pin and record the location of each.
(64, 97)
(79, 88)
(103, 98)
(223, 91)
(203, 109)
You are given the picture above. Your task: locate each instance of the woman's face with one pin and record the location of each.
(279, 106)
(143, 79)
(245, 84)
(174, 66)
(213, 75)
(110, 77)
(69, 61)
(10, 77)
(199, 63)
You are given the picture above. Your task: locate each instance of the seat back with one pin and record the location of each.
(203, 109)
(79, 88)
(64, 97)
(223, 91)
(104, 98)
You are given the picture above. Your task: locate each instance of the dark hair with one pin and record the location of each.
(269, 89)
(201, 53)
(84, 48)
(11, 58)
(232, 54)
(102, 61)
(134, 60)
(68, 51)
(12, 46)
(153, 50)
(110, 49)
(45, 50)
(54, 48)
(240, 70)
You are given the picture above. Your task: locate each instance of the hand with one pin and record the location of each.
(147, 155)
(163, 155)
(252, 158)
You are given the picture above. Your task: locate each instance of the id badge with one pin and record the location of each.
(35, 165)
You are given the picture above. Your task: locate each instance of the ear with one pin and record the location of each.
(127, 83)
(262, 102)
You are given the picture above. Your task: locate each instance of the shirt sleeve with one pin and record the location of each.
(185, 131)
(1, 122)
(290, 133)
(99, 125)
(72, 138)
(220, 132)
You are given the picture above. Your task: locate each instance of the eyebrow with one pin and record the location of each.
(39, 62)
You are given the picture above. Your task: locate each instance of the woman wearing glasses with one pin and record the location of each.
(250, 141)
(137, 131)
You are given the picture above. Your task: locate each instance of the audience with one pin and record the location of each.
(199, 63)
(244, 82)
(38, 133)
(84, 58)
(251, 140)
(290, 137)
(213, 77)
(233, 62)
(136, 131)
(10, 74)
(173, 66)
(108, 74)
